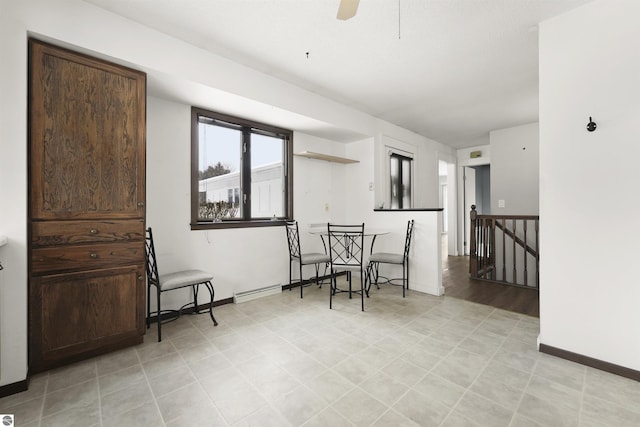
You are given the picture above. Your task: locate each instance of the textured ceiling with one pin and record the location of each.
(451, 70)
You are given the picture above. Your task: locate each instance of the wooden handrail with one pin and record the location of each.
(521, 217)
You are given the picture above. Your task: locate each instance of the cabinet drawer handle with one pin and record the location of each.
(140, 204)
(93, 255)
(93, 231)
(140, 278)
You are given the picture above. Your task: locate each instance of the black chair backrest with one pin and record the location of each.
(152, 265)
(293, 239)
(407, 242)
(346, 244)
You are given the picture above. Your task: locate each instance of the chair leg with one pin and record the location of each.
(301, 280)
(361, 289)
(377, 274)
(148, 306)
(212, 293)
(324, 273)
(318, 276)
(367, 279)
(332, 284)
(407, 274)
(159, 317)
(334, 288)
(290, 262)
(196, 308)
(403, 281)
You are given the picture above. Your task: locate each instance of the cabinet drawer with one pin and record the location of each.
(54, 233)
(86, 257)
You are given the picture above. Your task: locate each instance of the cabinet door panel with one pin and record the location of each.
(81, 312)
(87, 137)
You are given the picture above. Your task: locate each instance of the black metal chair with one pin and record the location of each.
(377, 258)
(346, 248)
(171, 281)
(296, 255)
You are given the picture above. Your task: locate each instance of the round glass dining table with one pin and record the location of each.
(368, 232)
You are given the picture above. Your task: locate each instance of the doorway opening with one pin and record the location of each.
(447, 200)
(476, 190)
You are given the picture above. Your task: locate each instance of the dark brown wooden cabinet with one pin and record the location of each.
(86, 206)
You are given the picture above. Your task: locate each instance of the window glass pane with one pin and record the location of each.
(395, 181)
(219, 172)
(267, 176)
(406, 183)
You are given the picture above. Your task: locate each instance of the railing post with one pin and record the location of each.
(492, 249)
(473, 256)
(514, 233)
(504, 250)
(524, 251)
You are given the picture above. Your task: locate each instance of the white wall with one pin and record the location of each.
(464, 159)
(226, 253)
(452, 210)
(514, 173)
(83, 27)
(426, 154)
(589, 204)
(318, 187)
(514, 170)
(13, 193)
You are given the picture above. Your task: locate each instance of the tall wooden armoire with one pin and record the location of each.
(87, 120)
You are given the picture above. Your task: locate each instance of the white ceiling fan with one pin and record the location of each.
(347, 9)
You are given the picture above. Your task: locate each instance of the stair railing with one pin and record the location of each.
(505, 249)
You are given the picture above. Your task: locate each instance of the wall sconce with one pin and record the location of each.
(591, 126)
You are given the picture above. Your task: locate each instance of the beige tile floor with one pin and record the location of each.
(282, 361)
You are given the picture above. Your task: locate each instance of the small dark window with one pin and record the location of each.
(400, 175)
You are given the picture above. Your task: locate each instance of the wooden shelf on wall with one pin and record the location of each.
(326, 157)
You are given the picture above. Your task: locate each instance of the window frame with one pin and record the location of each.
(248, 127)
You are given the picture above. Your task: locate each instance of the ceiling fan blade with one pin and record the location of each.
(347, 9)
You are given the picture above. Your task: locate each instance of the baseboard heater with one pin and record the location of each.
(241, 297)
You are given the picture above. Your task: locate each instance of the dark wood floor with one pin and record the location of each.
(456, 281)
